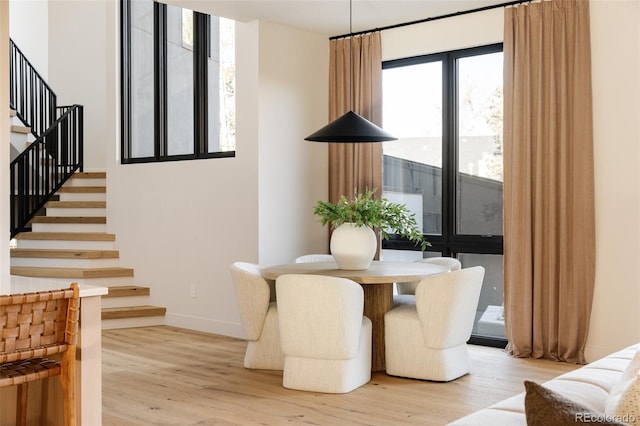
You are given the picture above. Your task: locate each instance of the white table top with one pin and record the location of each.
(21, 284)
(379, 272)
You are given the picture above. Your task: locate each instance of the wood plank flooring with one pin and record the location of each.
(170, 376)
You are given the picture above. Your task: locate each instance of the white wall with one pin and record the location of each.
(615, 44)
(4, 147)
(293, 173)
(474, 29)
(29, 20)
(615, 38)
(79, 67)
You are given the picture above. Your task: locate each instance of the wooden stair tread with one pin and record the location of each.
(70, 219)
(34, 271)
(83, 189)
(76, 204)
(127, 291)
(67, 236)
(64, 254)
(133, 312)
(89, 175)
(20, 129)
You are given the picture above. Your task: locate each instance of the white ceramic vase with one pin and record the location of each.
(353, 247)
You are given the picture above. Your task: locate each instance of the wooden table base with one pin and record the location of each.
(378, 299)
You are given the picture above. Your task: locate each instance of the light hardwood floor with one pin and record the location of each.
(171, 376)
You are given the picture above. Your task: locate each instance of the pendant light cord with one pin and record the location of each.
(350, 55)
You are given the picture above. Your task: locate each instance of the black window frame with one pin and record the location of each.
(450, 243)
(201, 52)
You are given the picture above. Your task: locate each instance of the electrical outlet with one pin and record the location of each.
(194, 291)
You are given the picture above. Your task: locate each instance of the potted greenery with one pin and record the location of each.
(353, 242)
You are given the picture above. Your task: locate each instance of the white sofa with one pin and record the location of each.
(589, 386)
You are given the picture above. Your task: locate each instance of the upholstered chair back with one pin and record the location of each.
(259, 317)
(427, 339)
(451, 263)
(309, 258)
(446, 305)
(253, 293)
(320, 317)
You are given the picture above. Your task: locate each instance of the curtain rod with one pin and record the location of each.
(434, 18)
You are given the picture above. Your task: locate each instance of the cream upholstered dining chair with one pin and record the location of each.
(308, 258)
(407, 291)
(259, 317)
(325, 337)
(427, 340)
(34, 326)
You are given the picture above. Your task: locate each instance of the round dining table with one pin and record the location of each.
(377, 283)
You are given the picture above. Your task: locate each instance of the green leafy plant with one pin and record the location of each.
(376, 213)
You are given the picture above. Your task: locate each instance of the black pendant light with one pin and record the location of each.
(350, 127)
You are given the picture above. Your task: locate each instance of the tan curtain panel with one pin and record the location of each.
(355, 165)
(549, 235)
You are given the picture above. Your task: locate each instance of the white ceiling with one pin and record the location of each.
(331, 17)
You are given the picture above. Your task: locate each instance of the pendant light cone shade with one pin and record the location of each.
(350, 128)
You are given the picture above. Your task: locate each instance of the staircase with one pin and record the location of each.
(70, 243)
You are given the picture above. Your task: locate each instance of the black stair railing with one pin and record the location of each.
(29, 95)
(40, 170)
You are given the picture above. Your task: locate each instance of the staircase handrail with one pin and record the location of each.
(41, 169)
(29, 95)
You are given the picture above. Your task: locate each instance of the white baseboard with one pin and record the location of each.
(206, 325)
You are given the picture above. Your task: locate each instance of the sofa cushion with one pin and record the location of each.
(628, 375)
(544, 407)
(626, 353)
(603, 378)
(591, 396)
(613, 364)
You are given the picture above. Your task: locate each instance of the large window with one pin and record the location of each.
(178, 83)
(446, 110)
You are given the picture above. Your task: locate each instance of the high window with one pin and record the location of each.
(178, 83)
(446, 110)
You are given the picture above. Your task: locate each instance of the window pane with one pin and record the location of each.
(142, 99)
(187, 28)
(479, 177)
(412, 111)
(179, 85)
(222, 86)
(490, 313)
